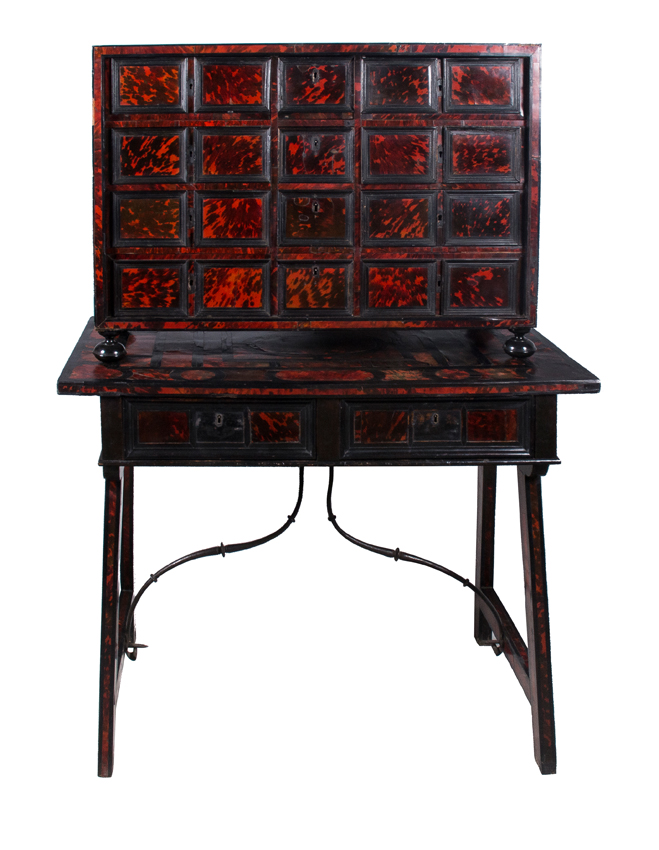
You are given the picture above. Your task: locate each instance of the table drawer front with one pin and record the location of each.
(223, 430)
(430, 430)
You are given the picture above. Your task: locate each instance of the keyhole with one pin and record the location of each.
(435, 419)
(315, 75)
(316, 271)
(315, 207)
(315, 143)
(219, 420)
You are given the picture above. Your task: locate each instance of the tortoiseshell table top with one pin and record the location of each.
(419, 362)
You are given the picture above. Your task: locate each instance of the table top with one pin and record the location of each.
(322, 363)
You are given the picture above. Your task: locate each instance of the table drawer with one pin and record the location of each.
(222, 430)
(430, 430)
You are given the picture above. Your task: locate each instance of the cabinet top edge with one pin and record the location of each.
(350, 48)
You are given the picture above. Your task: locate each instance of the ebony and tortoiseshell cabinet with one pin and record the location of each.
(322, 255)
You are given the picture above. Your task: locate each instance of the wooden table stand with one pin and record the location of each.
(431, 398)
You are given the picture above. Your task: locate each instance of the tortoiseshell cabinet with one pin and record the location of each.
(253, 201)
(289, 186)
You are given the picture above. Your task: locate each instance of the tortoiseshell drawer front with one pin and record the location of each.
(315, 85)
(378, 430)
(220, 431)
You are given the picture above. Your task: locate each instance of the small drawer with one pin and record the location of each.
(315, 219)
(399, 85)
(471, 287)
(149, 220)
(399, 156)
(435, 430)
(226, 430)
(149, 156)
(153, 84)
(482, 85)
(399, 218)
(483, 155)
(318, 289)
(310, 156)
(232, 219)
(232, 85)
(308, 86)
(232, 154)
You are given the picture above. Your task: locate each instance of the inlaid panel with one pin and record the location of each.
(482, 218)
(148, 84)
(322, 288)
(435, 429)
(399, 85)
(398, 287)
(149, 219)
(232, 154)
(322, 86)
(230, 218)
(221, 430)
(315, 219)
(491, 155)
(162, 427)
(399, 156)
(482, 85)
(493, 426)
(316, 156)
(274, 426)
(149, 156)
(398, 218)
(225, 84)
(150, 288)
(233, 287)
(489, 288)
(380, 426)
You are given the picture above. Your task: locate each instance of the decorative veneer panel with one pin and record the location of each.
(322, 218)
(149, 155)
(483, 155)
(232, 154)
(229, 84)
(315, 86)
(322, 289)
(232, 218)
(322, 155)
(149, 219)
(482, 85)
(399, 155)
(399, 218)
(482, 218)
(399, 85)
(149, 84)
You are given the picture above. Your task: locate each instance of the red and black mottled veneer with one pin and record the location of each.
(209, 159)
(314, 255)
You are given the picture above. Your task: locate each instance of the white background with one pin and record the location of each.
(309, 695)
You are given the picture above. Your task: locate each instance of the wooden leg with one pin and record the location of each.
(537, 616)
(126, 561)
(109, 618)
(487, 490)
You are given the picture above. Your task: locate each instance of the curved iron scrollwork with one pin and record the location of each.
(397, 555)
(129, 645)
